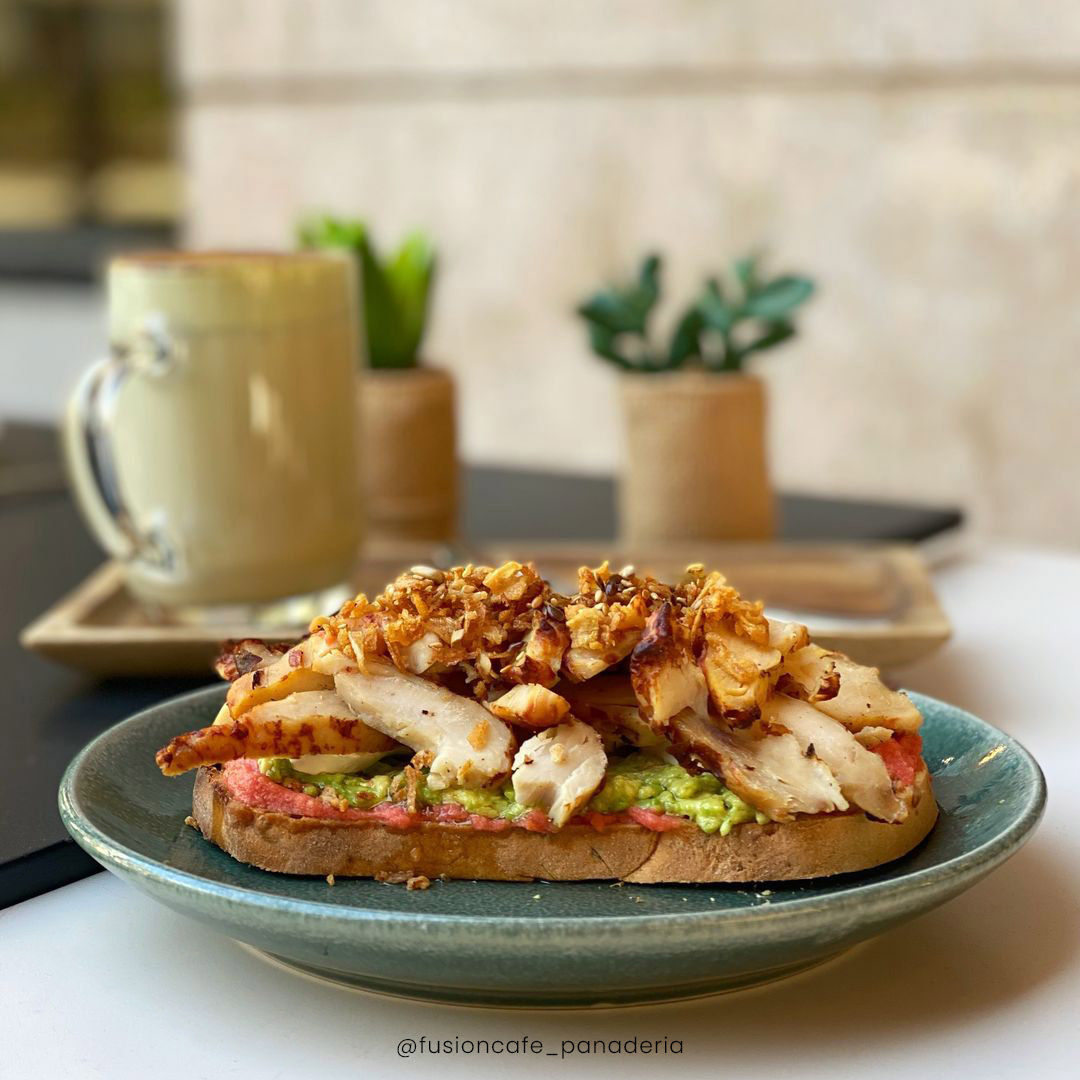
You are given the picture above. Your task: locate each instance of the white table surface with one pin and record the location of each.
(97, 980)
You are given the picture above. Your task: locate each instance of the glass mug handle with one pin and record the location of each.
(90, 446)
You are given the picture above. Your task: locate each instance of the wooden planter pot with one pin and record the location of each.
(695, 465)
(408, 454)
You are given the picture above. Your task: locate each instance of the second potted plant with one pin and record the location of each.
(696, 466)
(408, 434)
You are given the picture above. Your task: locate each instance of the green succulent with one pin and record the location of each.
(717, 332)
(396, 291)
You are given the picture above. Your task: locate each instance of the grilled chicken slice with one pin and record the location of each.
(420, 655)
(530, 705)
(663, 673)
(786, 637)
(739, 669)
(737, 673)
(240, 657)
(863, 700)
(322, 709)
(873, 736)
(289, 674)
(313, 764)
(810, 673)
(861, 774)
(770, 772)
(621, 725)
(600, 636)
(315, 722)
(460, 741)
(541, 657)
(609, 704)
(584, 662)
(558, 770)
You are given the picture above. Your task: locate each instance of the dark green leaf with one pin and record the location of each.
(642, 297)
(649, 280)
(409, 276)
(616, 311)
(686, 341)
(778, 297)
(389, 344)
(716, 312)
(623, 310)
(324, 231)
(603, 344)
(774, 334)
(746, 273)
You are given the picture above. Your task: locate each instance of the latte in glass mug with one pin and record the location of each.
(214, 450)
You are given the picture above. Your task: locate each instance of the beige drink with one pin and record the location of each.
(214, 451)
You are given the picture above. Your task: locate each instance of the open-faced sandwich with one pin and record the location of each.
(473, 723)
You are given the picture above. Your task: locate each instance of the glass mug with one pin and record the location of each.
(214, 451)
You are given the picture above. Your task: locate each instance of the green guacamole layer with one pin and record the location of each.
(639, 780)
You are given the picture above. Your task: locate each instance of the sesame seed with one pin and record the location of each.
(428, 572)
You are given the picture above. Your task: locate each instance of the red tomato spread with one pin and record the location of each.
(246, 784)
(901, 755)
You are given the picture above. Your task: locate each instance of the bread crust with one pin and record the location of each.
(809, 847)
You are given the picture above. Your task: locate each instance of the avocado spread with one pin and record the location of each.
(640, 780)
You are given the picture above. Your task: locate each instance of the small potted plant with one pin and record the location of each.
(695, 466)
(408, 437)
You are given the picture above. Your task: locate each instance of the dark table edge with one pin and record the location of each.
(43, 870)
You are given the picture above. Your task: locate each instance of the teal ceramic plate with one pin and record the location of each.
(540, 944)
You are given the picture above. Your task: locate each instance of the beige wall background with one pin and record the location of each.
(921, 159)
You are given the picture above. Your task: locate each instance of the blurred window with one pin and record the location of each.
(86, 130)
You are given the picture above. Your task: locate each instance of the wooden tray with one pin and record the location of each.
(875, 602)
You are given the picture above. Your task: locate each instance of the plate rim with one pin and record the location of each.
(877, 899)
